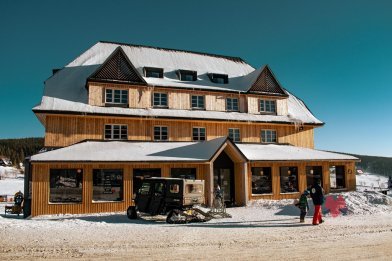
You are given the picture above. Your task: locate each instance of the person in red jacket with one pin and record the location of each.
(317, 195)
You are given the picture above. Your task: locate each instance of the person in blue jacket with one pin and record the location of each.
(317, 195)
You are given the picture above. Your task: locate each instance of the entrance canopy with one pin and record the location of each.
(206, 151)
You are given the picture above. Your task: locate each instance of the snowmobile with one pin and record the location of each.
(179, 199)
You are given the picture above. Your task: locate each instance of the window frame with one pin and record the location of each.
(148, 71)
(197, 102)
(232, 104)
(215, 76)
(78, 180)
(269, 179)
(272, 131)
(160, 133)
(183, 73)
(289, 169)
(160, 100)
(122, 194)
(264, 106)
(122, 95)
(199, 134)
(234, 134)
(112, 131)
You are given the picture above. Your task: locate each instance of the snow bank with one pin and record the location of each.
(8, 172)
(9, 186)
(361, 203)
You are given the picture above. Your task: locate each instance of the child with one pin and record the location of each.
(303, 205)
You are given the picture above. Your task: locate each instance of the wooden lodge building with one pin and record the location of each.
(120, 112)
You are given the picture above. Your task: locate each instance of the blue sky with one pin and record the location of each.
(335, 55)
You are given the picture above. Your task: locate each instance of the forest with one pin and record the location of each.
(17, 149)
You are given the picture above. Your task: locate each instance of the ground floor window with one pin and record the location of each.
(261, 180)
(66, 185)
(337, 177)
(288, 179)
(183, 173)
(313, 174)
(140, 174)
(108, 185)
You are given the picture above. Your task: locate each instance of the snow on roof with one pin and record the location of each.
(297, 112)
(121, 151)
(65, 90)
(124, 151)
(274, 152)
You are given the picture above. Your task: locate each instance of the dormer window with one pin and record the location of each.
(267, 106)
(219, 78)
(152, 72)
(188, 76)
(115, 97)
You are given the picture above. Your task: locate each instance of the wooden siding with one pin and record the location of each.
(141, 97)
(275, 167)
(64, 130)
(41, 187)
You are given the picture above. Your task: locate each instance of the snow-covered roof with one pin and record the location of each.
(297, 112)
(275, 152)
(124, 151)
(65, 90)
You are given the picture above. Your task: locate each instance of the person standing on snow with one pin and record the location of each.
(303, 205)
(317, 195)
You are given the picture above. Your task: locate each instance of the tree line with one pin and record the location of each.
(375, 164)
(17, 149)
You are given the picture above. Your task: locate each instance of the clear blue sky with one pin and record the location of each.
(335, 55)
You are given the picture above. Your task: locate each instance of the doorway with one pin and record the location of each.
(224, 177)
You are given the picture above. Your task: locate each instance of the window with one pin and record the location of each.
(66, 185)
(261, 180)
(234, 134)
(193, 188)
(174, 188)
(152, 72)
(288, 179)
(314, 173)
(232, 104)
(160, 133)
(160, 99)
(267, 106)
(139, 175)
(185, 75)
(145, 188)
(183, 173)
(108, 185)
(116, 96)
(268, 136)
(199, 133)
(197, 102)
(219, 78)
(116, 132)
(337, 177)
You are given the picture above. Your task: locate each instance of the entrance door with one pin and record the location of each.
(224, 177)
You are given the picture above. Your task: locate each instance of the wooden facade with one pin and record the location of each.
(64, 130)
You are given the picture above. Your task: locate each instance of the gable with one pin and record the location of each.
(117, 68)
(267, 84)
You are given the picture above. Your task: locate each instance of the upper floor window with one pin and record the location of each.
(186, 75)
(231, 104)
(160, 99)
(116, 132)
(160, 133)
(268, 106)
(268, 136)
(198, 133)
(234, 134)
(197, 102)
(153, 72)
(114, 96)
(219, 78)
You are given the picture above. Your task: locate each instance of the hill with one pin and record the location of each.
(18, 149)
(375, 164)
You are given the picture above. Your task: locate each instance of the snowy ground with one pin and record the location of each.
(265, 229)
